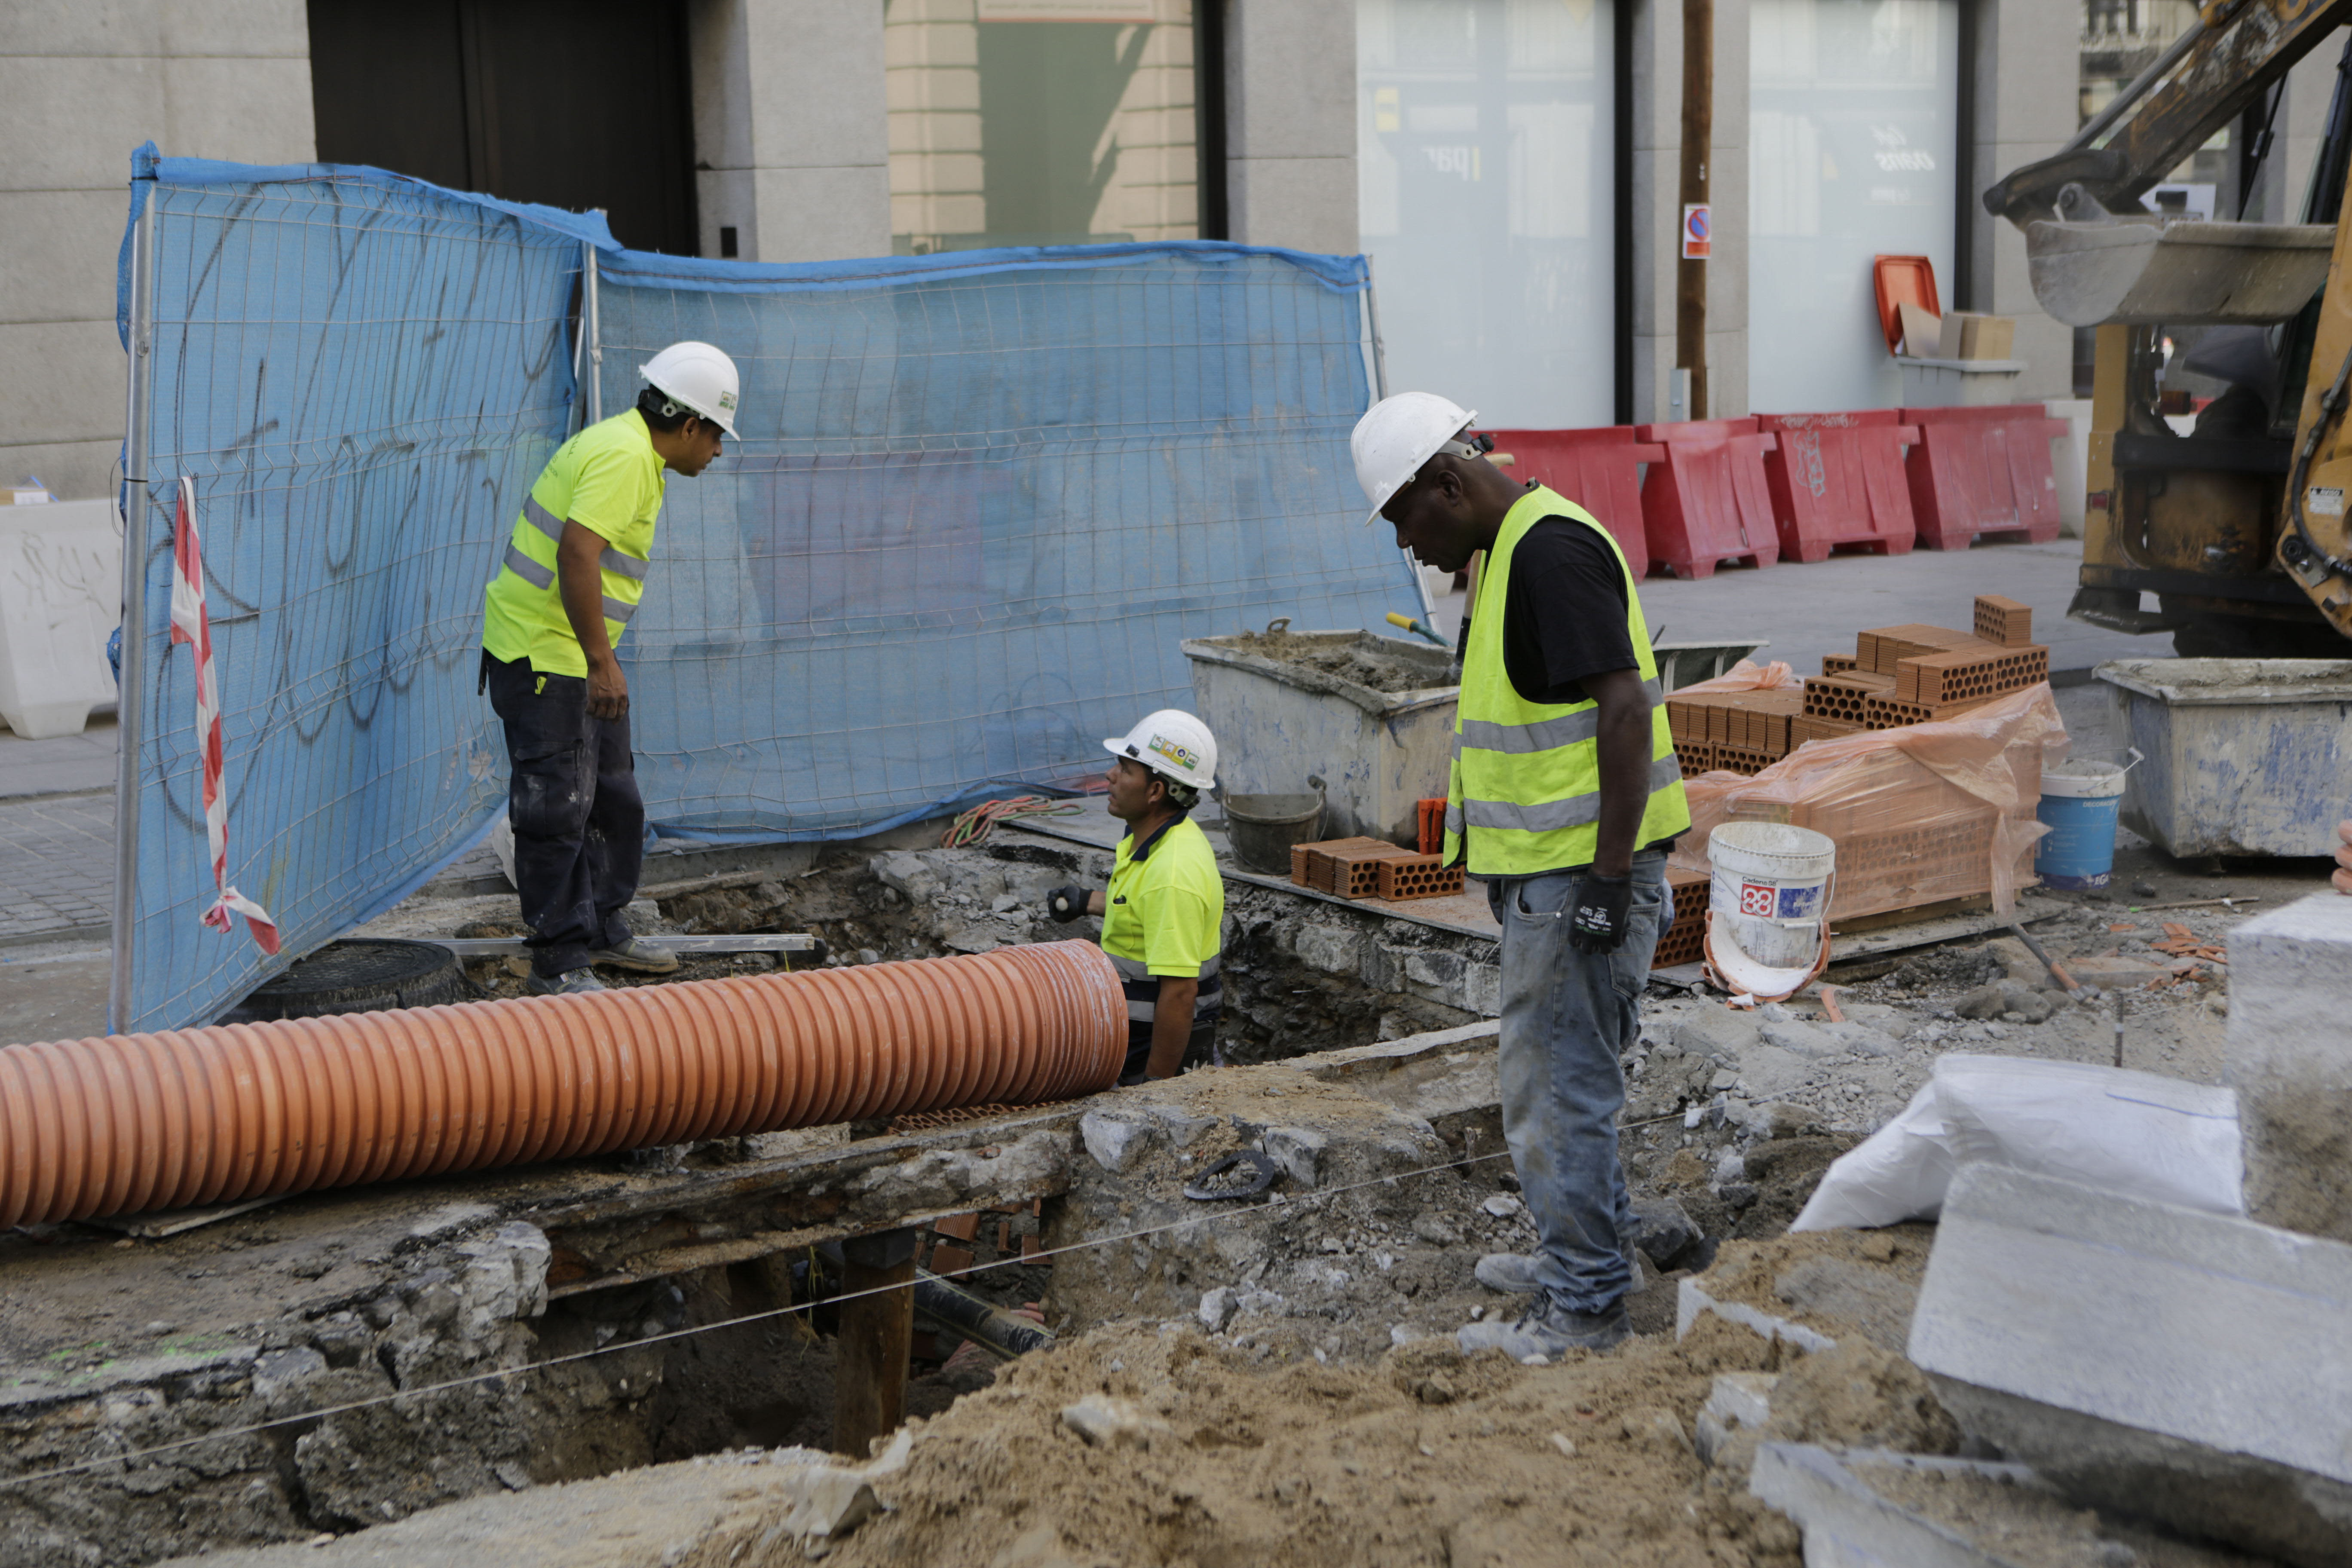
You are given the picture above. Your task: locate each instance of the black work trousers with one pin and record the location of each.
(579, 823)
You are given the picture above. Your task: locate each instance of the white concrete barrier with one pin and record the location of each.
(60, 596)
(2185, 1367)
(2290, 1059)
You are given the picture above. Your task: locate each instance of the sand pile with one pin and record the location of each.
(1421, 1457)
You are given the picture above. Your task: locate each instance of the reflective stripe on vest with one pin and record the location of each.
(1142, 990)
(610, 559)
(542, 577)
(1568, 811)
(1136, 969)
(1544, 735)
(1524, 792)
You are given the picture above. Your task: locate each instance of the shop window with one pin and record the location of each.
(1484, 169)
(1852, 120)
(1040, 123)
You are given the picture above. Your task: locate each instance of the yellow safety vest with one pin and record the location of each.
(607, 478)
(1526, 779)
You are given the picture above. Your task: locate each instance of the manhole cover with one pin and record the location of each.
(364, 974)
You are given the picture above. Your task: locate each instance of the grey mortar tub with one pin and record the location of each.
(2244, 756)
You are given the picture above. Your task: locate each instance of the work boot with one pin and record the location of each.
(570, 982)
(1547, 1332)
(637, 956)
(1514, 1273)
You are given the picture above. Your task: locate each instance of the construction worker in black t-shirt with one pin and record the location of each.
(1565, 796)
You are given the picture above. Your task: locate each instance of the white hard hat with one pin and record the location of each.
(697, 377)
(1398, 435)
(1173, 744)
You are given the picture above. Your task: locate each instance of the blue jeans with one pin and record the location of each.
(1566, 1017)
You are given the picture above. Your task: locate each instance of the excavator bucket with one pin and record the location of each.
(2182, 273)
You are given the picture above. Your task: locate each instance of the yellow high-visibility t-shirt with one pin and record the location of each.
(608, 480)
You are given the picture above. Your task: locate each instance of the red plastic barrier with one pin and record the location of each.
(1709, 501)
(1983, 472)
(1837, 479)
(1599, 470)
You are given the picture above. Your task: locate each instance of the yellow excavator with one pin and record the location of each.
(2237, 528)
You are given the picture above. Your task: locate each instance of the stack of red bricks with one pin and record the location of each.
(1371, 868)
(1918, 674)
(1685, 941)
(1896, 675)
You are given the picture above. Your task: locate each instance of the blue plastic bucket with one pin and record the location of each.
(2079, 802)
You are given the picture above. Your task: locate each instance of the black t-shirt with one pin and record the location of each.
(1564, 615)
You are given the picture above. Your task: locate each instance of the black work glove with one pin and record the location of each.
(1067, 904)
(1597, 922)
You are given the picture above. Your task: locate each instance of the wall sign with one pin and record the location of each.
(1697, 229)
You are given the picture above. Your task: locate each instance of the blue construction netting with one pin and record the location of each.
(976, 502)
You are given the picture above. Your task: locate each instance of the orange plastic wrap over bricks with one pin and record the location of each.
(1805, 727)
(134, 1123)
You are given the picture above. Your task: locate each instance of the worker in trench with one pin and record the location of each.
(1564, 799)
(572, 574)
(1164, 911)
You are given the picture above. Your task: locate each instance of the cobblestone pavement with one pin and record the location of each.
(57, 865)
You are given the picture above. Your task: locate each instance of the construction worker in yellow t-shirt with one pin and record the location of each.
(1163, 915)
(571, 577)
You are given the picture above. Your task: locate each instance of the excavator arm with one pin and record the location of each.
(2236, 52)
(2313, 548)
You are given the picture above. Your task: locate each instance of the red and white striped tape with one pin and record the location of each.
(190, 625)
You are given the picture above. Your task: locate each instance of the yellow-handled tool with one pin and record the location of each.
(1407, 622)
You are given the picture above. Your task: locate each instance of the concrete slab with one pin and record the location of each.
(712, 1510)
(1867, 1509)
(2290, 1057)
(2181, 1366)
(1692, 1300)
(1848, 1524)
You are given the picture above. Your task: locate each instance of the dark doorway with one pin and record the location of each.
(574, 103)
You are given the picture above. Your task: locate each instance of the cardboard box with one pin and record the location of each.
(1971, 334)
(1923, 331)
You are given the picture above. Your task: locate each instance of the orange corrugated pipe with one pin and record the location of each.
(131, 1122)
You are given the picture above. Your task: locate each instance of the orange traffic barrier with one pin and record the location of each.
(133, 1122)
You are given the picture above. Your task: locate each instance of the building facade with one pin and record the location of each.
(1510, 166)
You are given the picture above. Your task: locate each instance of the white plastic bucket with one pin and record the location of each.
(1770, 889)
(2082, 780)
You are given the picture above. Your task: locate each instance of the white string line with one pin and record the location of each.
(1212, 1217)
